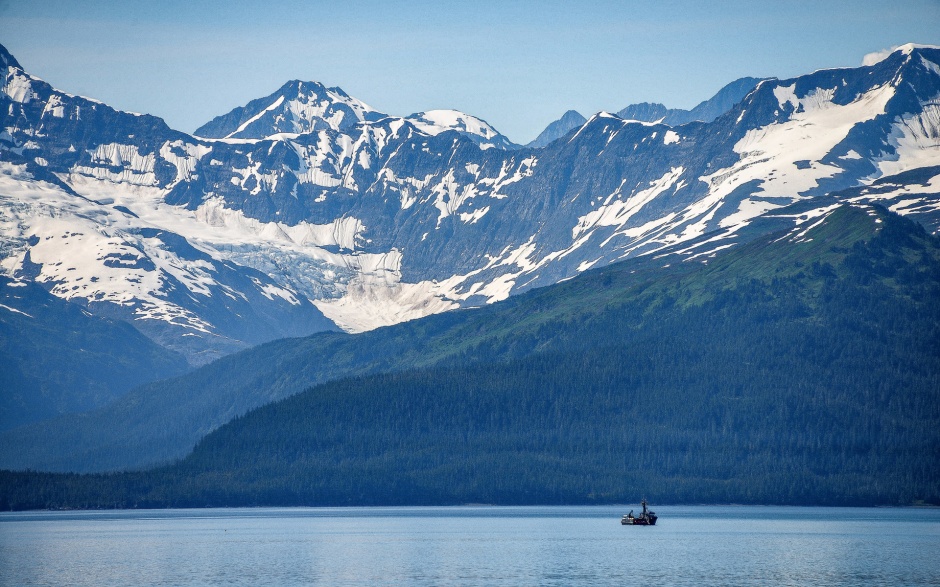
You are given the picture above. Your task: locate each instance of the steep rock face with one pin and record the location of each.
(705, 111)
(646, 112)
(569, 121)
(721, 102)
(382, 220)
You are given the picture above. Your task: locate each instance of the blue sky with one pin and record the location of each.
(518, 65)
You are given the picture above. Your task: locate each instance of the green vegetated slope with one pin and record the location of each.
(801, 368)
(56, 358)
(162, 421)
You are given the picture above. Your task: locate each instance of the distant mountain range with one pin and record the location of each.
(375, 219)
(706, 111)
(307, 210)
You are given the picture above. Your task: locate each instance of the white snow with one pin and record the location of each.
(86, 252)
(908, 198)
(247, 123)
(54, 106)
(619, 211)
(525, 168)
(186, 164)
(879, 56)
(434, 122)
(136, 169)
(376, 296)
(747, 210)
(18, 86)
(231, 226)
(449, 196)
(916, 140)
(769, 154)
(786, 95)
(472, 217)
(15, 311)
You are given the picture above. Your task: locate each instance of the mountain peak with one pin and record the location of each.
(296, 107)
(434, 122)
(569, 121)
(905, 49)
(705, 111)
(644, 111)
(7, 59)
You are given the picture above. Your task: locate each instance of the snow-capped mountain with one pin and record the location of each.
(300, 107)
(434, 122)
(135, 266)
(378, 219)
(122, 265)
(297, 107)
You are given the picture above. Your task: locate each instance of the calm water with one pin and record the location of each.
(472, 546)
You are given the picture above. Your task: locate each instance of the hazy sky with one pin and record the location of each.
(518, 65)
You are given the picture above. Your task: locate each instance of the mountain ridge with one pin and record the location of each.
(381, 222)
(57, 358)
(569, 121)
(310, 106)
(705, 111)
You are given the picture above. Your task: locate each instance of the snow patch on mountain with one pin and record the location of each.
(524, 169)
(18, 86)
(121, 164)
(434, 122)
(80, 254)
(247, 123)
(908, 199)
(184, 157)
(377, 297)
(785, 157)
(916, 140)
(617, 211)
(231, 226)
(877, 57)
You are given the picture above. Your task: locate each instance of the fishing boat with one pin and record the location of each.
(647, 518)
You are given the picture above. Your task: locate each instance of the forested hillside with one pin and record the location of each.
(802, 368)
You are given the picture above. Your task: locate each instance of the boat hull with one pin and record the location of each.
(638, 522)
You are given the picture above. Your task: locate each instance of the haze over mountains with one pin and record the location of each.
(308, 211)
(706, 111)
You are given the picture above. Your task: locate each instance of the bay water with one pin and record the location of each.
(505, 546)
